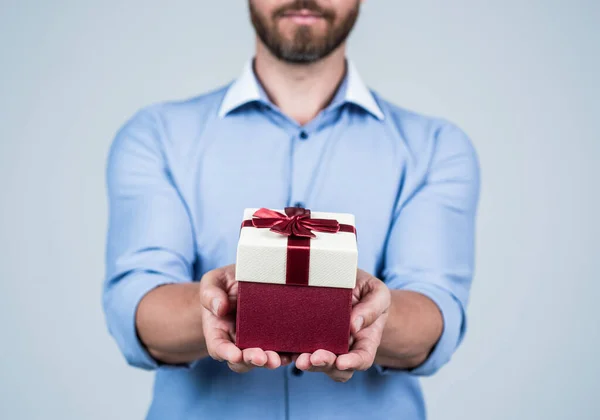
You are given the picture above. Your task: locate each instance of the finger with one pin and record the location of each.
(273, 360)
(361, 356)
(223, 349)
(214, 286)
(240, 367)
(251, 358)
(303, 361)
(371, 306)
(323, 359)
(340, 376)
(218, 341)
(255, 356)
(350, 361)
(319, 361)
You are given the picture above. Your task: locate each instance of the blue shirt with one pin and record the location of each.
(180, 175)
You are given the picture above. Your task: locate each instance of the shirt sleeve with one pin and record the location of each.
(430, 249)
(150, 240)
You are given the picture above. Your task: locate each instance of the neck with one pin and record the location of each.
(301, 91)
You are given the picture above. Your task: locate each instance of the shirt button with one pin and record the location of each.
(296, 371)
(303, 135)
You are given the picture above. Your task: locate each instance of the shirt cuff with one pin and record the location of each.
(121, 301)
(453, 331)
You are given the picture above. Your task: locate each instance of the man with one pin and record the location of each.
(298, 128)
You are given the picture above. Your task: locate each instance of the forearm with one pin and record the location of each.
(413, 327)
(169, 323)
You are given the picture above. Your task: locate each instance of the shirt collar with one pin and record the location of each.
(359, 94)
(247, 89)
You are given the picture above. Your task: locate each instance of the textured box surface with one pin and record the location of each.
(295, 319)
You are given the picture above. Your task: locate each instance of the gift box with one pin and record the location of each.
(295, 271)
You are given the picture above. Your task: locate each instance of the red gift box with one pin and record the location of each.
(295, 273)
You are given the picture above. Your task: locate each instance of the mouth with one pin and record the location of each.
(303, 16)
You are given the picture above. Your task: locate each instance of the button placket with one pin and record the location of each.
(309, 149)
(300, 159)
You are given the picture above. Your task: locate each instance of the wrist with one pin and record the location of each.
(169, 323)
(403, 344)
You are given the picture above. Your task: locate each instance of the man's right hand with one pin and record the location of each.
(218, 296)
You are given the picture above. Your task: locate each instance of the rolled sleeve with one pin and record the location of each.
(431, 241)
(150, 237)
(120, 304)
(453, 330)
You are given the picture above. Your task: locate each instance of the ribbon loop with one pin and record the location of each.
(295, 222)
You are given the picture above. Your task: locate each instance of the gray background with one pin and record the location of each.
(521, 77)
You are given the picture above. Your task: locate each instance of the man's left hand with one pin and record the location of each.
(370, 304)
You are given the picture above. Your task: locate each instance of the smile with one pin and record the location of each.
(303, 17)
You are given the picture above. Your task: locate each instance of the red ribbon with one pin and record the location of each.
(297, 225)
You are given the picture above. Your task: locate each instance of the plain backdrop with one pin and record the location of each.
(519, 76)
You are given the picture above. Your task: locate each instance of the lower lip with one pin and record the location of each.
(304, 19)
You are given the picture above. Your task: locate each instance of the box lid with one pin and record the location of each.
(262, 254)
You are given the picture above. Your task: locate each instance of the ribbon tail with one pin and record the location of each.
(323, 225)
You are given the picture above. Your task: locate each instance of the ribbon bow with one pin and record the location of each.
(295, 222)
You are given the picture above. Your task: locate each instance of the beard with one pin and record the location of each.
(305, 46)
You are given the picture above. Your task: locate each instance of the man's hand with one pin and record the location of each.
(371, 302)
(218, 295)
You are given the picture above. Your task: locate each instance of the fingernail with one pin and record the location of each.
(215, 306)
(358, 323)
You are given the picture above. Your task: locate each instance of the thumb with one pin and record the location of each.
(214, 287)
(373, 302)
